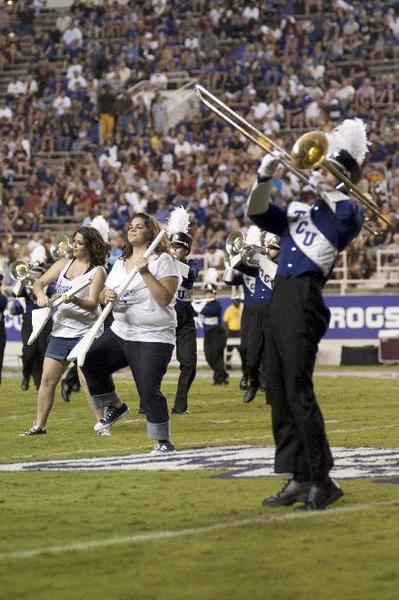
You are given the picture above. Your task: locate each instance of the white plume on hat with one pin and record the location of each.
(211, 276)
(38, 255)
(178, 221)
(102, 227)
(351, 136)
(253, 236)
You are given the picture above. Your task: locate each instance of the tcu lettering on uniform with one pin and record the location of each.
(267, 280)
(309, 236)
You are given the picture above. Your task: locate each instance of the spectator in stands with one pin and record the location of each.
(106, 110)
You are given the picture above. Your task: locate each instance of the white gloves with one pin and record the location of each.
(269, 164)
(319, 183)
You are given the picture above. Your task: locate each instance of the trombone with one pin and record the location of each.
(308, 153)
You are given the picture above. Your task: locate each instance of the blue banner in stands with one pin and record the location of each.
(352, 317)
(361, 317)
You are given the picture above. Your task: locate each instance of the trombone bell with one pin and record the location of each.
(19, 270)
(309, 151)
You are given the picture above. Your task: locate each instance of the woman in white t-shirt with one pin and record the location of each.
(74, 317)
(142, 335)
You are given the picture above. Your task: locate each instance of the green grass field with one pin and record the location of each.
(160, 535)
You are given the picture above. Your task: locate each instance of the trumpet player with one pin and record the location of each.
(311, 238)
(256, 270)
(23, 304)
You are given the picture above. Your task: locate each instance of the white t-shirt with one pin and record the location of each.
(69, 320)
(137, 316)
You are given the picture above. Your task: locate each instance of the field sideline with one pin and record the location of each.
(196, 533)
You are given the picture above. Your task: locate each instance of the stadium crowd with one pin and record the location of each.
(306, 67)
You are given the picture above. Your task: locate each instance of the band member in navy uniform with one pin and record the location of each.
(258, 324)
(234, 277)
(215, 335)
(3, 337)
(311, 238)
(33, 354)
(261, 271)
(186, 336)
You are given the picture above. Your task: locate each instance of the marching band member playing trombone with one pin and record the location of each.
(142, 335)
(311, 238)
(74, 317)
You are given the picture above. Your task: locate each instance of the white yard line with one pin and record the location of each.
(394, 426)
(194, 531)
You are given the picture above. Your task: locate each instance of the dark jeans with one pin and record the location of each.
(148, 362)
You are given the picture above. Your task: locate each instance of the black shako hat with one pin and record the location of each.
(181, 239)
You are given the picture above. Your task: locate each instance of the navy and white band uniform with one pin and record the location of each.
(311, 238)
(254, 320)
(73, 318)
(186, 335)
(215, 335)
(234, 277)
(3, 337)
(33, 354)
(143, 332)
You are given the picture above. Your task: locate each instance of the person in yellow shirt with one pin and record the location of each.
(232, 320)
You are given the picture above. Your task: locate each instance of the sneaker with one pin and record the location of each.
(163, 448)
(112, 415)
(106, 432)
(34, 430)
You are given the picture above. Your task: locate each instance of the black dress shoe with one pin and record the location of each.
(292, 491)
(321, 495)
(25, 384)
(250, 394)
(243, 383)
(65, 392)
(179, 411)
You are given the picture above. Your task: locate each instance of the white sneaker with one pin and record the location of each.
(163, 448)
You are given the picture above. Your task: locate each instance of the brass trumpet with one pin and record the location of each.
(60, 247)
(240, 252)
(308, 153)
(21, 272)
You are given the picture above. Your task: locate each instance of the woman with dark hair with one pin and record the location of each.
(84, 262)
(142, 335)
